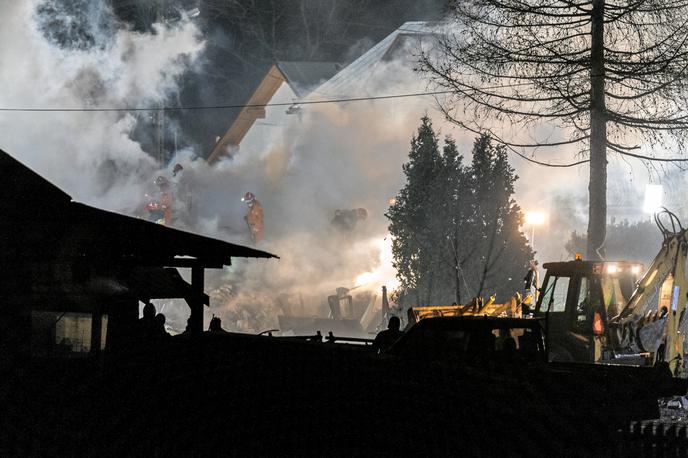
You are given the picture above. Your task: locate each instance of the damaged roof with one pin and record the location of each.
(349, 81)
(303, 77)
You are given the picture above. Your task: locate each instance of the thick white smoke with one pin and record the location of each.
(337, 156)
(89, 155)
(334, 156)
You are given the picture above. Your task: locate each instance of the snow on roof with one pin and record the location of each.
(303, 76)
(344, 83)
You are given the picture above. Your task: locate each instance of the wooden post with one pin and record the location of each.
(96, 331)
(196, 303)
(122, 319)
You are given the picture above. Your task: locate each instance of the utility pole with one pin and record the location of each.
(160, 134)
(160, 113)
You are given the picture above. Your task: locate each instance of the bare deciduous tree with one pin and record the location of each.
(611, 74)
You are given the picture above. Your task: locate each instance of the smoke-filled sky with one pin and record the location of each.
(90, 155)
(336, 156)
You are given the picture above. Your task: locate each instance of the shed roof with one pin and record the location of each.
(160, 283)
(142, 242)
(21, 184)
(32, 209)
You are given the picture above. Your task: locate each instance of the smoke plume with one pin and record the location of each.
(53, 57)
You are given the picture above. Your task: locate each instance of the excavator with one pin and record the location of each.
(607, 312)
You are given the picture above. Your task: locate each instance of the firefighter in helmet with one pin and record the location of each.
(160, 208)
(254, 217)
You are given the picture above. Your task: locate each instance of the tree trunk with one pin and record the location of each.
(487, 266)
(457, 268)
(428, 295)
(597, 187)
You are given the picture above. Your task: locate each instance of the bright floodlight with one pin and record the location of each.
(535, 218)
(653, 198)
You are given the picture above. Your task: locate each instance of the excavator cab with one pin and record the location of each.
(578, 298)
(609, 312)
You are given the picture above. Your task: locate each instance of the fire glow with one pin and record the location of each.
(384, 274)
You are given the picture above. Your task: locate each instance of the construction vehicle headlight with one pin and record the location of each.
(612, 269)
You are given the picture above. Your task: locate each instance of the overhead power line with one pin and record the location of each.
(313, 102)
(220, 107)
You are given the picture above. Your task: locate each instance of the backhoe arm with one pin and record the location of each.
(654, 318)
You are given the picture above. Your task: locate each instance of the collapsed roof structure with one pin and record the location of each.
(403, 43)
(313, 81)
(298, 78)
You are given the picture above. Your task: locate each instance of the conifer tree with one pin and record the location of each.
(503, 251)
(455, 228)
(414, 257)
(453, 198)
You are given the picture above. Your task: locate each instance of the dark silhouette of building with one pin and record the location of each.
(61, 257)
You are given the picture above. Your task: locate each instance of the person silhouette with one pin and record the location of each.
(386, 338)
(159, 330)
(148, 312)
(146, 323)
(215, 326)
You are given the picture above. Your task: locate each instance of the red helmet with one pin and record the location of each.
(361, 213)
(248, 197)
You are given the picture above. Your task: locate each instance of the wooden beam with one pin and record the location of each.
(248, 115)
(179, 262)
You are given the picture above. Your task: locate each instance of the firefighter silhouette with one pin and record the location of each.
(254, 217)
(160, 206)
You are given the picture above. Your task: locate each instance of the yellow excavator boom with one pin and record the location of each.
(654, 318)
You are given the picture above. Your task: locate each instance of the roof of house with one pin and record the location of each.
(301, 77)
(316, 80)
(349, 79)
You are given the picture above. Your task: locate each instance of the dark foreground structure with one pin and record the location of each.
(68, 265)
(238, 395)
(206, 394)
